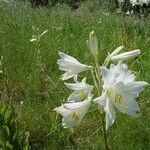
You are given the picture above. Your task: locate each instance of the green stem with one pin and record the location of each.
(94, 80)
(98, 85)
(105, 133)
(106, 62)
(97, 73)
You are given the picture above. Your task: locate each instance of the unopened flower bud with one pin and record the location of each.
(126, 55)
(92, 43)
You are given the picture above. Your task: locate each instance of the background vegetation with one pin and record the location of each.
(31, 83)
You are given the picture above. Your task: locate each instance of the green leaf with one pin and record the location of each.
(6, 130)
(9, 146)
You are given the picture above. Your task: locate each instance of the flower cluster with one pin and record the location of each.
(139, 2)
(136, 2)
(79, 101)
(134, 6)
(118, 91)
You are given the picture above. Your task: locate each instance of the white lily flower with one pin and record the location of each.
(73, 113)
(119, 90)
(81, 90)
(71, 65)
(92, 43)
(115, 56)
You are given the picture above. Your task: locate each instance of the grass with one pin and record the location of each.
(41, 90)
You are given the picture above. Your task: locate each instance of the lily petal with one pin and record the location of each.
(81, 90)
(78, 96)
(110, 114)
(136, 87)
(67, 75)
(107, 76)
(76, 105)
(73, 113)
(71, 65)
(128, 104)
(101, 100)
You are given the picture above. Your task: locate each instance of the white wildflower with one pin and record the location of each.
(119, 90)
(81, 90)
(70, 65)
(73, 113)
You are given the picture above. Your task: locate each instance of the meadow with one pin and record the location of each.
(31, 80)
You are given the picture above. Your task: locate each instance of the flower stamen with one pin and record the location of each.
(118, 98)
(82, 94)
(75, 116)
(115, 95)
